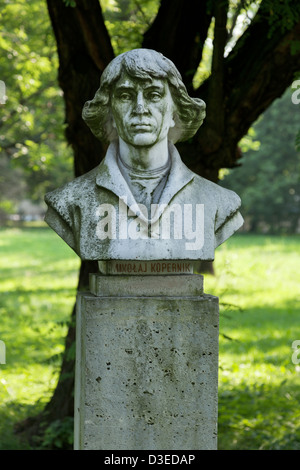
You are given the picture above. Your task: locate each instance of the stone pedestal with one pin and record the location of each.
(146, 364)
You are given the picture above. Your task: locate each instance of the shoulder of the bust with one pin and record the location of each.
(219, 191)
(74, 189)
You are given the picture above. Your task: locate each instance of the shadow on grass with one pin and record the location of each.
(13, 413)
(260, 417)
(31, 270)
(39, 292)
(259, 386)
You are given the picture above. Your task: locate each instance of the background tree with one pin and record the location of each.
(34, 154)
(268, 181)
(252, 64)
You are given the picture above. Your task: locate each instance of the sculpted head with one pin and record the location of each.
(159, 85)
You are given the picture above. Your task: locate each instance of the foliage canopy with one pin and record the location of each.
(268, 181)
(34, 154)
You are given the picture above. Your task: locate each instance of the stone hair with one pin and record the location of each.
(144, 64)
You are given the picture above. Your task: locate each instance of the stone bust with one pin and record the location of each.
(142, 202)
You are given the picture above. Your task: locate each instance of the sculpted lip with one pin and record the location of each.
(141, 126)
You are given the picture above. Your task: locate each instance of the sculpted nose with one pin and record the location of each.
(140, 107)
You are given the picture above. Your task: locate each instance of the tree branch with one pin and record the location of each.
(179, 32)
(215, 113)
(84, 50)
(258, 70)
(235, 16)
(94, 32)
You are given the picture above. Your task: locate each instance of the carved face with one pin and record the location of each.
(142, 110)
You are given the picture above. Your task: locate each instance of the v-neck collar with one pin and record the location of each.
(110, 177)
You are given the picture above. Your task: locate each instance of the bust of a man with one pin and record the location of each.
(142, 202)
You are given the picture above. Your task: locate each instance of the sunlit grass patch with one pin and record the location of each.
(38, 278)
(257, 281)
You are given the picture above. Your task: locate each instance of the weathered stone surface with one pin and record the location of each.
(146, 373)
(147, 346)
(142, 202)
(146, 286)
(146, 268)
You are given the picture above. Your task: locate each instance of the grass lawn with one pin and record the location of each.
(38, 278)
(257, 282)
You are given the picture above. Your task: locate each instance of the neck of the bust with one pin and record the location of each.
(144, 158)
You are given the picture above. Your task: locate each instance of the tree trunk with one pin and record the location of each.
(84, 50)
(179, 32)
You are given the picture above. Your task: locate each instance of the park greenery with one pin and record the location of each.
(257, 281)
(256, 276)
(268, 180)
(35, 157)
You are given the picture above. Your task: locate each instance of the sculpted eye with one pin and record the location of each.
(125, 96)
(154, 96)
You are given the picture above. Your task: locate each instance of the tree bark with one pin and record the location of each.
(179, 32)
(257, 71)
(84, 50)
(62, 403)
